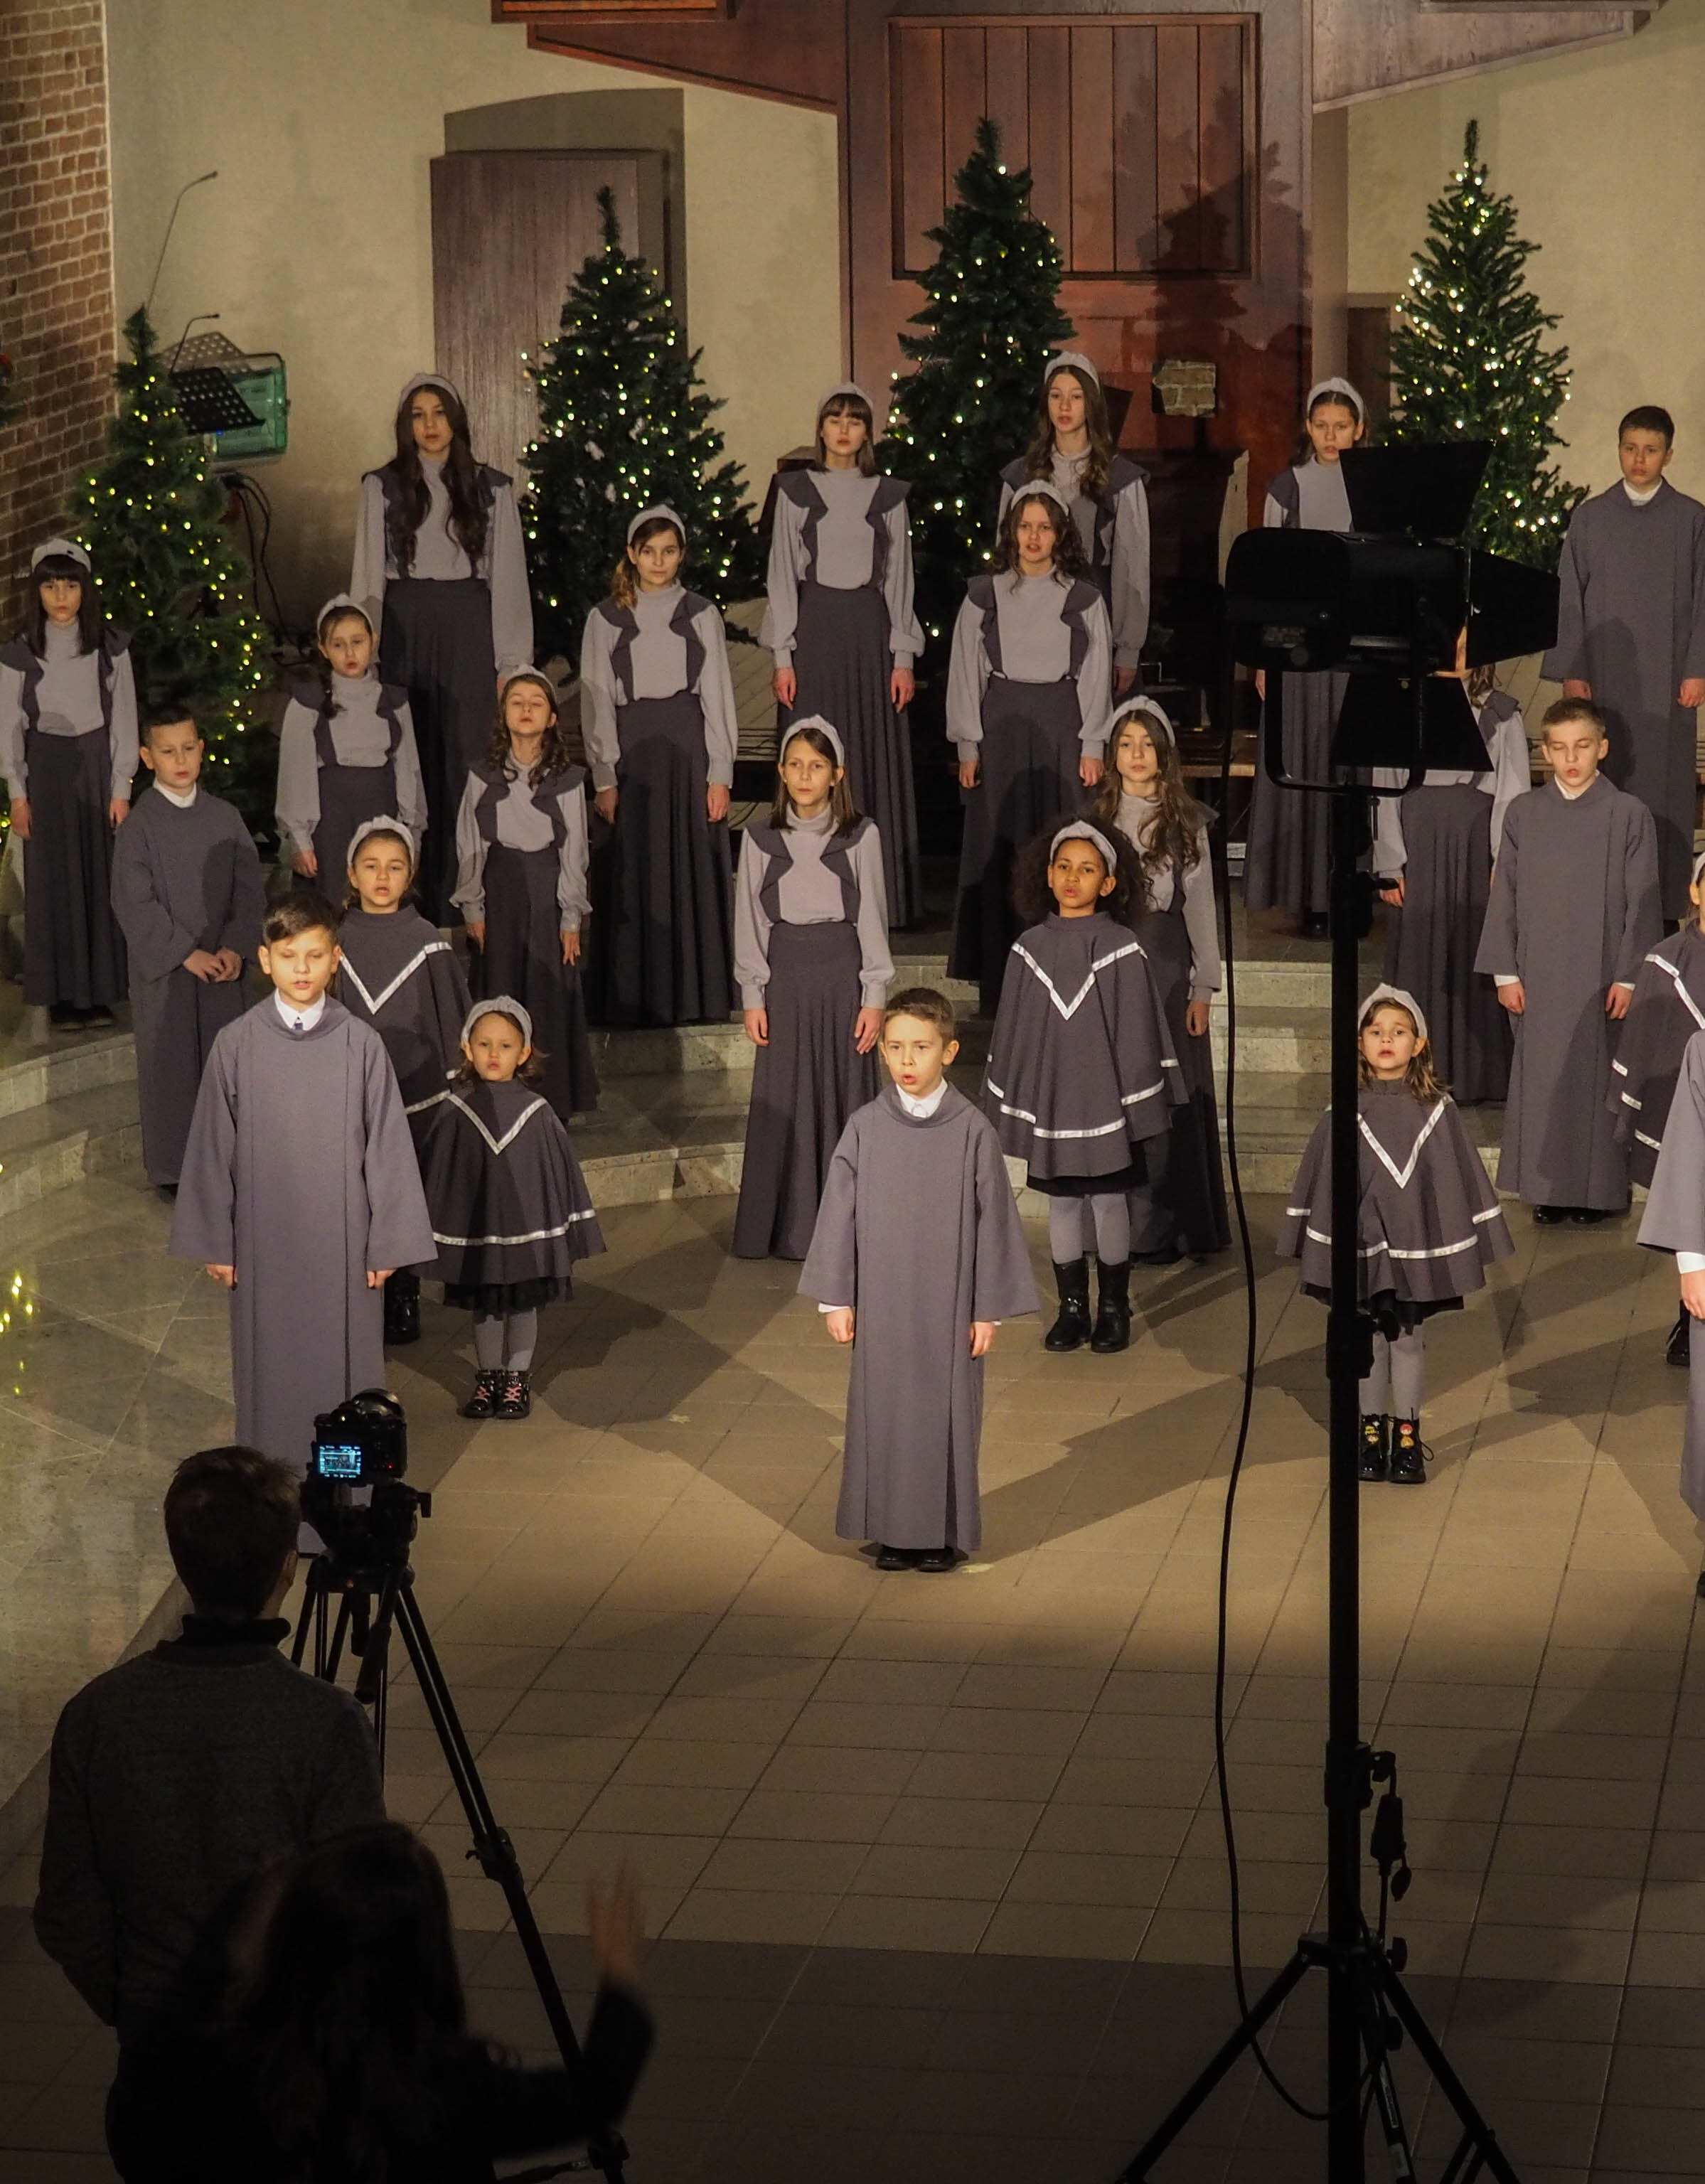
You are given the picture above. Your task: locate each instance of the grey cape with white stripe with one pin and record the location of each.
(401, 975)
(1668, 1008)
(1675, 1221)
(1429, 1224)
(508, 1200)
(1081, 1067)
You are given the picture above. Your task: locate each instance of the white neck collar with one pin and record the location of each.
(182, 798)
(299, 1019)
(921, 1110)
(1640, 500)
(1573, 794)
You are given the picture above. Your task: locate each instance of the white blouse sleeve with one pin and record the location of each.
(751, 926)
(367, 576)
(121, 734)
(1130, 575)
(296, 807)
(781, 620)
(1095, 684)
(12, 763)
(512, 600)
(967, 678)
(904, 632)
(469, 894)
(411, 796)
(1200, 923)
(1511, 772)
(599, 696)
(875, 957)
(573, 893)
(717, 700)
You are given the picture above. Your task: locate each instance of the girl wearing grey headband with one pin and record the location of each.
(1072, 447)
(441, 571)
(68, 749)
(1285, 865)
(841, 625)
(1027, 712)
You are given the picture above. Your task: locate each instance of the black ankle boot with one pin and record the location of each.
(402, 1310)
(1408, 1464)
(1113, 1311)
(514, 1396)
(1678, 1350)
(484, 1399)
(1071, 1330)
(1374, 1451)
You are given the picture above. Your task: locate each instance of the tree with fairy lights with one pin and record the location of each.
(970, 404)
(153, 520)
(624, 422)
(1469, 362)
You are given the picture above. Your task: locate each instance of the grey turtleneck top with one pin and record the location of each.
(1511, 776)
(1127, 578)
(361, 736)
(843, 561)
(1035, 647)
(522, 825)
(1322, 504)
(68, 701)
(1135, 815)
(439, 559)
(810, 894)
(658, 659)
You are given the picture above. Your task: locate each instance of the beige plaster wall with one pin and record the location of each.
(322, 116)
(1605, 157)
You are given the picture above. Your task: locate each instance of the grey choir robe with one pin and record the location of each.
(183, 879)
(401, 975)
(438, 558)
(1675, 1221)
(1114, 528)
(1573, 909)
(300, 1173)
(1669, 1007)
(1632, 625)
(918, 1232)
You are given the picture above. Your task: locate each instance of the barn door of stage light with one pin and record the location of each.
(510, 229)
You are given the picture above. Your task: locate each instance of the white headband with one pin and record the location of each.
(67, 547)
(1069, 360)
(850, 386)
(500, 1005)
(528, 675)
(1150, 711)
(382, 827)
(817, 720)
(663, 510)
(1394, 995)
(1043, 489)
(343, 604)
(1339, 387)
(432, 379)
(1698, 866)
(1080, 830)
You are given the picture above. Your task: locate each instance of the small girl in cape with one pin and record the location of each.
(509, 1205)
(1429, 1223)
(811, 955)
(1081, 1077)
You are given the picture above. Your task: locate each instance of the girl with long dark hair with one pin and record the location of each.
(840, 623)
(1027, 712)
(1072, 447)
(346, 750)
(68, 749)
(441, 569)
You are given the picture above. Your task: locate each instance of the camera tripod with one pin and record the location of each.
(372, 1601)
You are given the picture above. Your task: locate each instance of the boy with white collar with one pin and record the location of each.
(1630, 634)
(188, 897)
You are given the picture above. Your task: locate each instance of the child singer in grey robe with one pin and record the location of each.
(1630, 634)
(1675, 1221)
(919, 1252)
(300, 1191)
(840, 620)
(189, 899)
(1574, 908)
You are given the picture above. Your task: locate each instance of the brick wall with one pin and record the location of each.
(56, 266)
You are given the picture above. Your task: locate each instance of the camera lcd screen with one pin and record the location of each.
(338, 1460)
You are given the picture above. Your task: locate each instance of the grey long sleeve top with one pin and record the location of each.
(361, 736)
(1128, 580)
(439, 559)
(657, 662)
(1135, 814)
(520, 825)
(842, 558)
(1035, 647)
(811, 894)
(68, 701)
(1506, 742)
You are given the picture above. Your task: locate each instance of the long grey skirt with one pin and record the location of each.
(73, 953)
(1030, 755)
(842, 660)
(436, 640)
(1189, 1203)
(669, 922)
(522, 957)
(1430, 942)
(348, 795)
(805, 1084)
(1285, 863)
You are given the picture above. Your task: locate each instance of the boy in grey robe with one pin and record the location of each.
(918, 1249)
(188, 897)
(300, 1191)
(1630, 634)
(1675, 1221)
(1573, 909)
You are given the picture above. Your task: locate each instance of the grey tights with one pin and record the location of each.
(1079, 1226)
(504, 1341)
(1395, 1387)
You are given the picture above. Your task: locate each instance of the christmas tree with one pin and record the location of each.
(624, 421)
(152, 519)
(970, 406)
(1469, 362)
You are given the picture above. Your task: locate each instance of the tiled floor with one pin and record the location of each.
(936, 1862)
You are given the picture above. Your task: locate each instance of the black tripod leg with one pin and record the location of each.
(1383, 2087)
(1479, 2145)
(1267, 2005)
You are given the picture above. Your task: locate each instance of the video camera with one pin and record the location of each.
(354, 1496)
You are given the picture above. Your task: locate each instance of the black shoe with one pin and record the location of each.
(1071, 1330)
(64, 1019)
(1588, 1217)
(97, 1020)
(1113, 1311)
(1407, 1465)
(895, 1559)
(514, 1396)
(1372, 1460)
(1168, 1255)
(483, 1401)
(1548, 1217)
(938, 1558)
(1678, 1350)
(402, 1310)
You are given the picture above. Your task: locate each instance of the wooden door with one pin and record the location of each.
(510, 229)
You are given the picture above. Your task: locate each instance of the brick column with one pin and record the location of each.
(56, 266)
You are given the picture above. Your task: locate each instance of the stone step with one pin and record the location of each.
(66, 1140)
